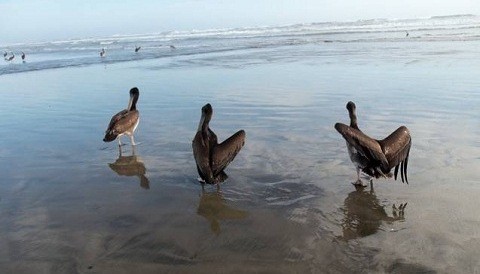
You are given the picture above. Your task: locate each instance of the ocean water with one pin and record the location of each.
(70, 203)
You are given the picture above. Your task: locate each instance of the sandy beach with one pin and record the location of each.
(69, 205)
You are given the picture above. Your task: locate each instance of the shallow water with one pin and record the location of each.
(70, 204)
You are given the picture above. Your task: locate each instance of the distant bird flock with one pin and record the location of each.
(9, 57)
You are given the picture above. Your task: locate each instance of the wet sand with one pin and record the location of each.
(70, 204)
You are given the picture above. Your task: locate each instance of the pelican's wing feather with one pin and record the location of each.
(397, 149)
(368, 147)
(123, 121)
(225, 152)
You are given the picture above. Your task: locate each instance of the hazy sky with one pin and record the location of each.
(46, 20)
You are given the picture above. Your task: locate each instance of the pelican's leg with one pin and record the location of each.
(119, 151)
(132, 140)
(133, 150)
(119, 142)
(359, 182)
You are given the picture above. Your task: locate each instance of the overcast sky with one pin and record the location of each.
(47, 20)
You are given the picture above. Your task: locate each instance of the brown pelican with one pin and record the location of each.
(8, 59)
(137, 48)
(23, 55)
(376, 158)
(211, 157)
(103, 53)
(124, 122)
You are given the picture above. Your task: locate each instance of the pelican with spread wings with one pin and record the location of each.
(376, 158)
(211, 157)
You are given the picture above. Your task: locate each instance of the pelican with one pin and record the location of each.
(8, 59)
(23, 55)
(124, 122)
(376, 158)
(211, 157)
(103, 53)
(137, 48)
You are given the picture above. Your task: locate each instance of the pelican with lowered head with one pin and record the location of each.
(376, 158)
(124, 122)
(210, 156)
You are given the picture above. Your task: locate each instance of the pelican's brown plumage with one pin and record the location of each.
(124, 122)
(210, 156)
(376, 158)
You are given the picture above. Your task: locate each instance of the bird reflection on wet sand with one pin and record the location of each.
(214, 208)
(131, 166)
(364, 214)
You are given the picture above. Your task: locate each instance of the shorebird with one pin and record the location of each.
(124, 122)
(137, 48)
(210, 156)
(5, 54)
(172, 47)
(103, 53)
(23, 56)
(376, 158)
(8, 59)
(407, 34)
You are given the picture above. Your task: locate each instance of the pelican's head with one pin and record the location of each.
(207, 113)
(134, 91)
(353, 116)
(134, 94)
(351, 106)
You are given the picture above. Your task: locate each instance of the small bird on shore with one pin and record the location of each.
(376, 158)
(137, 48)
(407, 34)
(8, 59)
(23, 56)
(103, 53)
(211, 157)
(5, 54)
(172, 47)
(124, 122)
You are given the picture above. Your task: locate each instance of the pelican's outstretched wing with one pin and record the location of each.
(367, 146)
(225, 152)
(396, 148)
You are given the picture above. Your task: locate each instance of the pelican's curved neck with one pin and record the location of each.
(203, 124)
(132, 103)
(353, 119)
